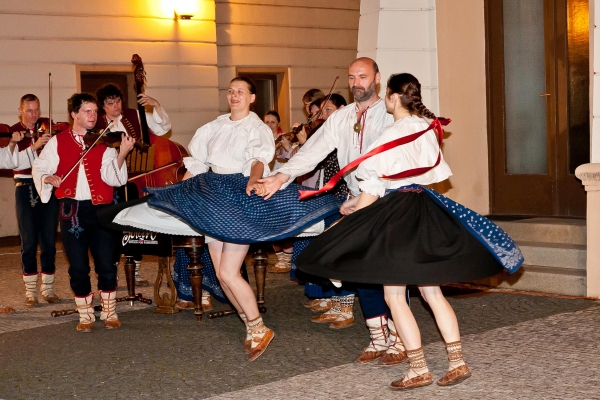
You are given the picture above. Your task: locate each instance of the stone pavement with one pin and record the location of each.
(518, 347)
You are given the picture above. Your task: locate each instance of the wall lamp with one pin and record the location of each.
(185, 9)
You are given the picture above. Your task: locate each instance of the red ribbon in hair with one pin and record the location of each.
(436, 125)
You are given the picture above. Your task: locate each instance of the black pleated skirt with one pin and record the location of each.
(402, 238)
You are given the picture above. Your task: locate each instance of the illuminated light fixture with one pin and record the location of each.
(185, 9)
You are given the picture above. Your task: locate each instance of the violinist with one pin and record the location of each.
(351, 130)
(83, 179)
(110, 101)
(9, 159)
(36, 220)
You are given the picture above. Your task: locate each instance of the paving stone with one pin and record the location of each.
(519, 346)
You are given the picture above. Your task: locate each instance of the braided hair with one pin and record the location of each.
(409, 89)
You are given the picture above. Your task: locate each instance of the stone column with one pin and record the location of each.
(590, 178)
(401, 36)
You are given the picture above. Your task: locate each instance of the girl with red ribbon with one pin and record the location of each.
(400, 232)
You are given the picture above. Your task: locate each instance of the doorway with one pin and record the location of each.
(272, 91)
(538, 105)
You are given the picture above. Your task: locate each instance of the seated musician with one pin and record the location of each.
(37, 221)
(110, 102)
(9, 159)
(84, 180)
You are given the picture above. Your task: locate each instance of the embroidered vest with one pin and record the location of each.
(69, 152)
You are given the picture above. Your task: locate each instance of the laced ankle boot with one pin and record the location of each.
(418, 374)
(248, 339)
(457, 369)
(30, 289)
(283, 264)
(346, 316)
(86, 312)
(332, 314)
(378, 330)
(206, 302)
(396, 352)
(47, 289)
(109, 309)
(139, 281)
(261, 337)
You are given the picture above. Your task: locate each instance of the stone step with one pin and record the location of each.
(548, 230)
(565, 281)
(554, 255)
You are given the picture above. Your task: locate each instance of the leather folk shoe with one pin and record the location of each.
(344, 321)
(369, 355)
(323, 306)
(263, 342)
(325, 318)
(247, 346)
(51, 298)
(85, 327)
(455, 376)
(417, 381)
(312, 303)
(392, 358)
(31, 301)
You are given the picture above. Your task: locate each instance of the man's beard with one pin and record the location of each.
(361, 94)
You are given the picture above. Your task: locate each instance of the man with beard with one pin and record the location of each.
(351, 130)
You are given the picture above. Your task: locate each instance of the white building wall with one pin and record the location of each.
(41, 36)
(314, 41)
(401, 36)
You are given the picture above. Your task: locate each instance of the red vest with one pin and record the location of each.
(69, 152)
(22, 145)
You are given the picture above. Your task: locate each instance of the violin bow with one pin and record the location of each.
(87, 150)
(328, 97)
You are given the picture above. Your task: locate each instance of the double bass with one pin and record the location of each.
(163, 161)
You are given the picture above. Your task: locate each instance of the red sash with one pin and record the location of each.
(436, 125)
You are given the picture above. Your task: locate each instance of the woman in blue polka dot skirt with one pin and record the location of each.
(400, 232)
(219, 198)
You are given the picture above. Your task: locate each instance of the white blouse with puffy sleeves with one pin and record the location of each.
(422, 152)
(229, 147)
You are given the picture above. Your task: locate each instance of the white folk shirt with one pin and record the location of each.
(229, 147)
(9, 160)
(47, 163)
(338, 133)
(422, 152)
(159, 126)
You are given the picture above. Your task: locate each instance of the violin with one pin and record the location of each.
(108, 138)
(315, 121)
(42, 126)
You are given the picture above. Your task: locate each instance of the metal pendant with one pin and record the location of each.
(357, 127)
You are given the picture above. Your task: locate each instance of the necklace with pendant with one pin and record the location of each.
(357, 127)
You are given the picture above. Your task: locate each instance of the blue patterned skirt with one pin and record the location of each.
(217, 205)
(413, 235)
